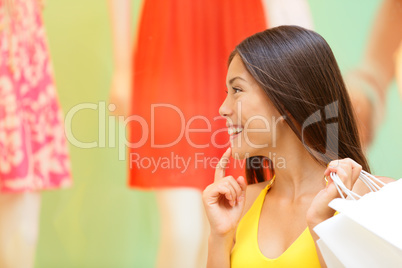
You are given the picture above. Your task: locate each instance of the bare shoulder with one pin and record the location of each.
(252, 193)
(361, 189)
(385, 180)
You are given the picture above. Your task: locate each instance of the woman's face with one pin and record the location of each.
(253, 122)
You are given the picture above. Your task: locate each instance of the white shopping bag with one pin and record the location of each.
(366, 232)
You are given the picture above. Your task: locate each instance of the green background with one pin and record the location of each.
(99, 222)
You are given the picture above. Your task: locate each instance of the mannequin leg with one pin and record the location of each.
(184, 234)
(19, 222)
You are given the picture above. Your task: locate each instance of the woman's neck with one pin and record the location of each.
(296, 172)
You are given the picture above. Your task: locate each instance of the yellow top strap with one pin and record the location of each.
(246, 252)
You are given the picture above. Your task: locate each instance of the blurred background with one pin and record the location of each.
(100, 222)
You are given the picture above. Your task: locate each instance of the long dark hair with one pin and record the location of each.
(298, 71)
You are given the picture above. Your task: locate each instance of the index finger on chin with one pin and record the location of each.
(222, 165)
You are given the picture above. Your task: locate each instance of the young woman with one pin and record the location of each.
(180, 59)
(288, 111)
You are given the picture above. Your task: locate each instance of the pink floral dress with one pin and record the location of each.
(33, 149)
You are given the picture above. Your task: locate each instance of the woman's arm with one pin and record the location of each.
(399, 69)
(288, 12)
(368, 84)
(224, 202)
(319, 211)
(219, 248)
(120, 15)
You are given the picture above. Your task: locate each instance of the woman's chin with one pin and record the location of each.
(238, 153)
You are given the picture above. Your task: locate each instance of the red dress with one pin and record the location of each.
(176, 134)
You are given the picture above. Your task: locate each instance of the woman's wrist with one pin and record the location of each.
(219, 249)
(221, 238)
(221, 244)
(219, 235)
(314, 220)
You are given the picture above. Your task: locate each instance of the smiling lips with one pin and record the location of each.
(233, 131)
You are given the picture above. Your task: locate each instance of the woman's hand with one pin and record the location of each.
(348, 171)
(224, 199)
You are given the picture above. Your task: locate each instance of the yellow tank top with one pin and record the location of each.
(246, 252)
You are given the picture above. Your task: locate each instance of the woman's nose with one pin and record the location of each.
(225, 109)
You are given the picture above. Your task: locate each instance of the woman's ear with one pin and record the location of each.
(287, 115)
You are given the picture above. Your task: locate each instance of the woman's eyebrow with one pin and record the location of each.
(234, 78)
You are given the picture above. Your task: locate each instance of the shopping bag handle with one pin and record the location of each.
(368, 179)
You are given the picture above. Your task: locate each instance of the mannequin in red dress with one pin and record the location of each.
(180, 59)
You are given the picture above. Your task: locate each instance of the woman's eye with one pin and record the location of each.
(236, 90)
